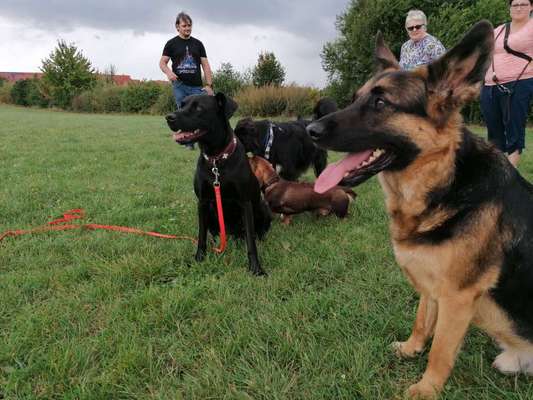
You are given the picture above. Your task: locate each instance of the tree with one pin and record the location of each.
(348, 60)
(227, 80)
(268, 70)
(109, 74)
(67, 73)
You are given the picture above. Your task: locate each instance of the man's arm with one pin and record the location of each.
(208, 75)
(163, 64)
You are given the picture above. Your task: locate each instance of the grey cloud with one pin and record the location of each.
(308, 18)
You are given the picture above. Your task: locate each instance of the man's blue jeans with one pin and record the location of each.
(181, 90)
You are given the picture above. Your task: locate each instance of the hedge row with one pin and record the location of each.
(155, 98)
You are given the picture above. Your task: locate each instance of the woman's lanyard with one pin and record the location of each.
(515, 53)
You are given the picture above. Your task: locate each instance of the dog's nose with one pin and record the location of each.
(170, 117)
(316, 130)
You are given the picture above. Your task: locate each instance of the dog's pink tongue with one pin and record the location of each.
(334, 173)
(180, 135)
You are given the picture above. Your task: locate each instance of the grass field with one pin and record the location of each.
(101, 315)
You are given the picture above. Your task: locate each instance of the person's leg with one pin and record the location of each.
(516, 126)
(197, 90)
(178, 90)
(492, 114)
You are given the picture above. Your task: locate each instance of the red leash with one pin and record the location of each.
(60, 224)
(220, 213)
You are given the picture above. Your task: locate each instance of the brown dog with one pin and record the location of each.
(287, 198)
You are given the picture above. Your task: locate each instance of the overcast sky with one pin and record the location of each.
(130, 34)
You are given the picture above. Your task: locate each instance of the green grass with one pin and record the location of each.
(102, 315)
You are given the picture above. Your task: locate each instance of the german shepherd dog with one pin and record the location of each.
(461, 217)
(204, 120)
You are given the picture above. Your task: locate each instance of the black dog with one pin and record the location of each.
(204, 119)
(324, 106)
(286, 144)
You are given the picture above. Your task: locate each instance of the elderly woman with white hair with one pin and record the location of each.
(421, 48)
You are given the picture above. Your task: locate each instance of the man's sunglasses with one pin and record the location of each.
(417, 27)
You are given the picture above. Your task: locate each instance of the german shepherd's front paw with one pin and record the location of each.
(406, 349)
(422, 390)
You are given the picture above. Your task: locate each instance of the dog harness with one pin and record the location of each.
(270, 139)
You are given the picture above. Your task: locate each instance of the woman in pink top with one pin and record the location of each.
(508, 88)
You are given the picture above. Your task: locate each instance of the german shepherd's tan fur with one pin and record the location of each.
(461, 217)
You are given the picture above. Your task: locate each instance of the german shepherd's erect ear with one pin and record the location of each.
(383, 57)
(456, 77)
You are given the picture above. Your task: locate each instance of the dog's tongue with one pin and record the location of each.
(334, 173)
(180, 135)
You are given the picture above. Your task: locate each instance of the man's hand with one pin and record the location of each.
(172, 76)
(209, 90)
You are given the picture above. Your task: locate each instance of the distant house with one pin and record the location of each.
(119, 80)
(17, 76)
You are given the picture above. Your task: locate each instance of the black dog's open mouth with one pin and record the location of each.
(354, 169)
(183, 137)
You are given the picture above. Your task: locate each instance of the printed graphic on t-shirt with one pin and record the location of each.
(187, 64)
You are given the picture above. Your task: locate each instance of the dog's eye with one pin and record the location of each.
(379, 103)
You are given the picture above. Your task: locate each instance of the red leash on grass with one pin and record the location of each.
(61, 224)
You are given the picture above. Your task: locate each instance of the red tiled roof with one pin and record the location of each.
(17, 76)
(119, 80)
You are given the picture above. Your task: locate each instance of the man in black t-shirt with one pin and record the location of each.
(187, 55)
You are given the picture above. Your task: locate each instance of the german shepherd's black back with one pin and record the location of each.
(461, 215)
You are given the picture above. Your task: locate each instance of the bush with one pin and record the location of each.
(140, 97)
(88, 101)
(227, 80)
(165, 103)
(269, 101)
(111, 96)
(27, 92)
(5, 93)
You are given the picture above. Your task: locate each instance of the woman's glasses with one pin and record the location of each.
(520, 5)
(417, 27)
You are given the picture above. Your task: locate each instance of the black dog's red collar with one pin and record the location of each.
(224, 154)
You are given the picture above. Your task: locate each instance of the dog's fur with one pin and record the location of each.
(288, 198)
(461, 215)
(245, 211)
(323, 107)
(292, 148)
